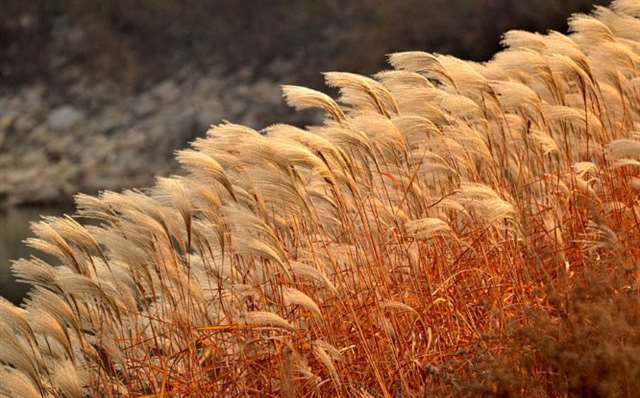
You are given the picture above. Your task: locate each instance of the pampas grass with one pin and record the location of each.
(371, 255)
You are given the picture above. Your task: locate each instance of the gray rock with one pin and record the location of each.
(241, 91)
(144, 105)
(235, 108)
(167, 91)
(40, 135)
(266, 92)
(32, 96)
(210, 85)
(244, 73)
(7, 120)
(25, 124)
(182, 129)
(280, 68)
(64, 118)
(109, 121)
(209, 112)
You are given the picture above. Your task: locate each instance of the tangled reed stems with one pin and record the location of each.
(361, 257)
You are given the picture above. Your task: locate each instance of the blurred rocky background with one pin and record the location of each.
(99, 94)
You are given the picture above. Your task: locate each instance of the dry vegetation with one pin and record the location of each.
(452, 228)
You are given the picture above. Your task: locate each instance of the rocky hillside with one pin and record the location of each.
(100, 138)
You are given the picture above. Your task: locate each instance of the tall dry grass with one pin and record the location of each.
(391, 251)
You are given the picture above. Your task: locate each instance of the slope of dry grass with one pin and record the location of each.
(448, 217)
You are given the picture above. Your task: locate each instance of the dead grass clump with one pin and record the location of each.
(583, 343)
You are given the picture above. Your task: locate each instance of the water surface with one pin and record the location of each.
(14, 228)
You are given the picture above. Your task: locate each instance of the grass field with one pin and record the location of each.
(452, 228)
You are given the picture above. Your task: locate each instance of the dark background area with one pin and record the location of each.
(138, 41)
